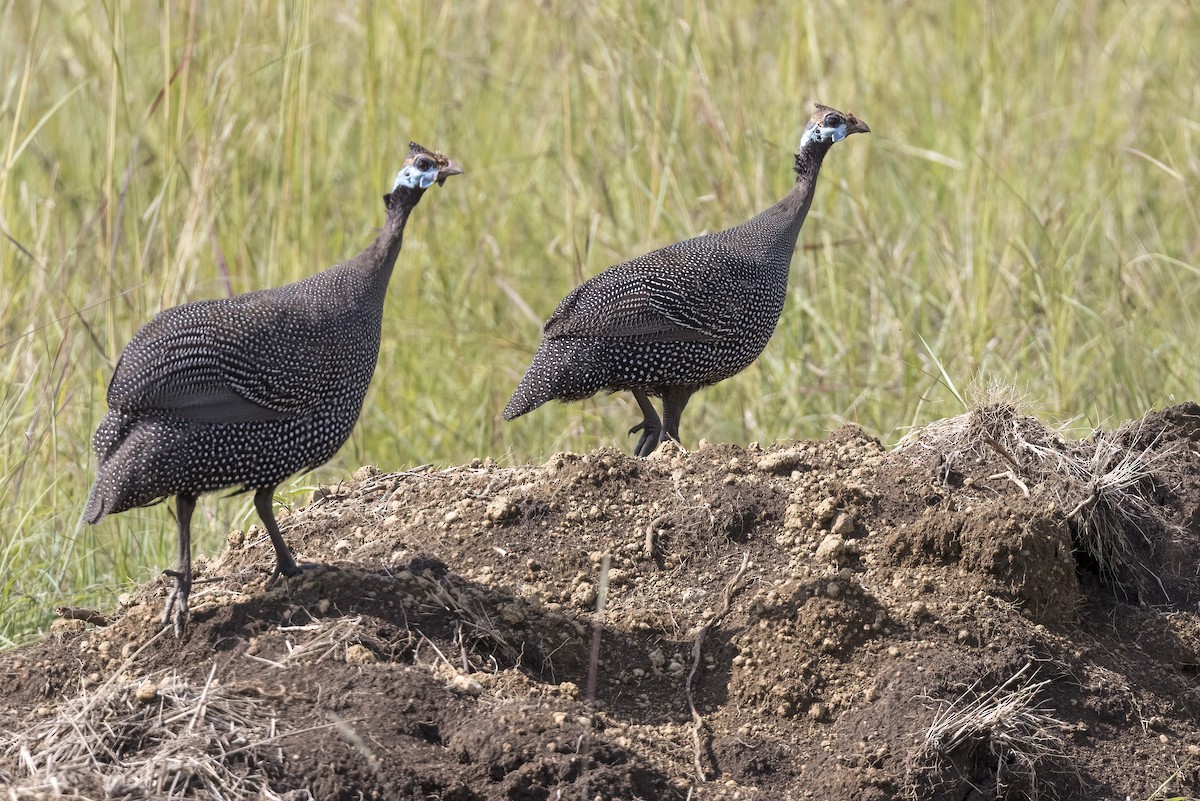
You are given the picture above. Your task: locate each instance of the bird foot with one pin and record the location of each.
(651, 436)
(290, 570)
(176, 609)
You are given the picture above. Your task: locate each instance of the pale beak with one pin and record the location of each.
(452, 168)
(857, 126)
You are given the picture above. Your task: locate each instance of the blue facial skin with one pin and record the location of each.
(411, 177)
(820, 133)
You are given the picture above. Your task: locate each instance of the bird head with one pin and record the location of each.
(423, 168)
(830, 125)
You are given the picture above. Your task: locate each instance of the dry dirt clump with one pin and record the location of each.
(989, 610)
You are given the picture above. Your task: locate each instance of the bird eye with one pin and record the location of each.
(834, 121)
(423, 164)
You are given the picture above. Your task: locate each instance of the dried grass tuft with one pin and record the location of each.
(1107, 482)
(1022, 443)
(1007, 723)
(1116, 483)
(150, 737)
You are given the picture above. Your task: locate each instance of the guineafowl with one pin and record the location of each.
(243, 392)
(683, 317)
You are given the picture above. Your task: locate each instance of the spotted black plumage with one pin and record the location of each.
(243, 392)
(683, 317)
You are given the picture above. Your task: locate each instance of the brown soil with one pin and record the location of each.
(986, 611)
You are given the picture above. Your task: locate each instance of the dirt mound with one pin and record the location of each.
(986, 611)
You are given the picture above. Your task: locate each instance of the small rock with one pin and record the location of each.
(501, 508)
(452, 516)
(584, 595)
(146, 693)
(365, 472)
(358, 654)
(781, 463)
(816, 711)
(657, 659)
(617, 577)
(843, 525)
(823, 511)
(832, 550)
(466, 685)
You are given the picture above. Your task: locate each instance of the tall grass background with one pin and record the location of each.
(1025, 209)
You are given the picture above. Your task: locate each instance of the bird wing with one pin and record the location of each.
(678, 293)
(243, 359)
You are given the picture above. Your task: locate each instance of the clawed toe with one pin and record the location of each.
(175, 611)
(648, 442)
(290, 571)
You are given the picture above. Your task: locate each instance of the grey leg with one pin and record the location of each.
(651, 425)
(285, 565)
(177, 601)
(674, 400)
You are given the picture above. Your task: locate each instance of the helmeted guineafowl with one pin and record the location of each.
(683, 317)
(243, 392)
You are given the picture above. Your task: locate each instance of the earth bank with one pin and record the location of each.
(986, 611)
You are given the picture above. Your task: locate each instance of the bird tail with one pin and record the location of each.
(562, 369)
(133, 457)
(97, 508)
(526, 397)
(542, 382)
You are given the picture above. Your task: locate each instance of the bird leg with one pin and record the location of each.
(651, 425)
(285, 565)
(674, 400)
(177, 601)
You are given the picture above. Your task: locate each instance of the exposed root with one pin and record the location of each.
(697, 649)
(598, 629)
